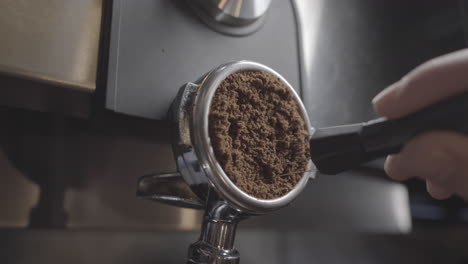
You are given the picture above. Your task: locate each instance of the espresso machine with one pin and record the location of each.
(122, 114)
(200, 182)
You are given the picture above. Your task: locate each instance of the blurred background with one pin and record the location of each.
(85, 87)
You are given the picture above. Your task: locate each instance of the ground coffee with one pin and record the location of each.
(255, 128)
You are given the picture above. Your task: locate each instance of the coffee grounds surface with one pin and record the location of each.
(256, 130)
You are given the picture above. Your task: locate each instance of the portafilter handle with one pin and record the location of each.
(336, 149)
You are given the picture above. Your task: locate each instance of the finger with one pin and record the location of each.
(436, 191)
(392, 167)
(431, 82)
(440, 157)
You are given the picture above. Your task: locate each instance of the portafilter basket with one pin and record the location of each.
(209, 186)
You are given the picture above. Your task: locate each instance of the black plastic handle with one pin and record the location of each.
(337, 149)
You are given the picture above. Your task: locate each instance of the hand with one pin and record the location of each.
(440, 157)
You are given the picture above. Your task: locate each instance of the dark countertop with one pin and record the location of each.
(446, 246)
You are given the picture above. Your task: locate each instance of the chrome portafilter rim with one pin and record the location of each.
(223, 185)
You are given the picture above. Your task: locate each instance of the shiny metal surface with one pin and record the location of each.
(235, 12)
(195, 159)
(216, 242)
(231, 17)
(51, 41)
(244, 9)
(226, 188)
(226, 204)
(168, 188)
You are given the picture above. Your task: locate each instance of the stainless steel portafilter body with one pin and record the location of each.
(209, 186)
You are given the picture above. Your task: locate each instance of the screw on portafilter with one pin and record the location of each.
(200, 181)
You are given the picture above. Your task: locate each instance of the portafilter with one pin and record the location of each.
(209, 186)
